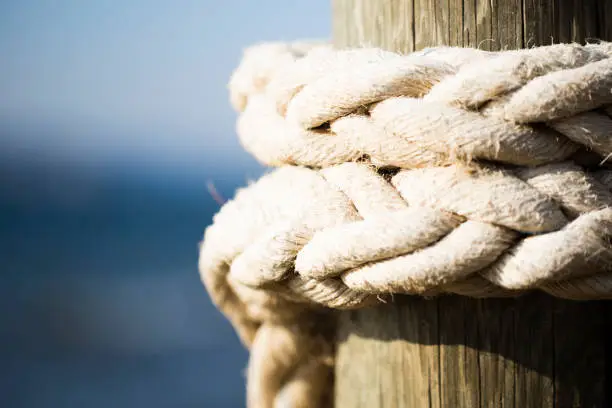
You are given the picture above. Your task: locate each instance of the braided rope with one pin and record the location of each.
(445, 171)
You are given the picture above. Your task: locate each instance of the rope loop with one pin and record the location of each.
(450, 170)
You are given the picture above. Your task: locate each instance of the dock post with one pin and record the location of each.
(459, 352)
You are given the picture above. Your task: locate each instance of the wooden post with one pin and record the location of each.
(456, 352)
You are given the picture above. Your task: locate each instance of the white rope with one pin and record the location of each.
(446, 171)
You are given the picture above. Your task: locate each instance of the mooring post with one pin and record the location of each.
(458, 352)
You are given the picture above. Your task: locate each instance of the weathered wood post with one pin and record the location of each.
(456, 352)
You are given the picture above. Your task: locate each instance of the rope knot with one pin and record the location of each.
(446, 171)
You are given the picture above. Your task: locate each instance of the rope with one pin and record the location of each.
(446, 171)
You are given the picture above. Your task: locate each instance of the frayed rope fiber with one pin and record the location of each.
(449, 170)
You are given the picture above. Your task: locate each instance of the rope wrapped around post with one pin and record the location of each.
(445, 171)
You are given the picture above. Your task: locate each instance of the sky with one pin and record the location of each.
(133, 80)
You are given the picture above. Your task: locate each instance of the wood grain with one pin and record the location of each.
(534, 351)
(497, 373)
(409, 25)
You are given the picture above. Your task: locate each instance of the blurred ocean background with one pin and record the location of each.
(114, 118)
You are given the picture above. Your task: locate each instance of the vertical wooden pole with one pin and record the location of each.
(409, 25)
(456, 352)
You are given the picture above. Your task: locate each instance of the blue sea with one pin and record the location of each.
(101, 304)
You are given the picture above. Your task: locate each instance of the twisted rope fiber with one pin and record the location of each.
(445, 171)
